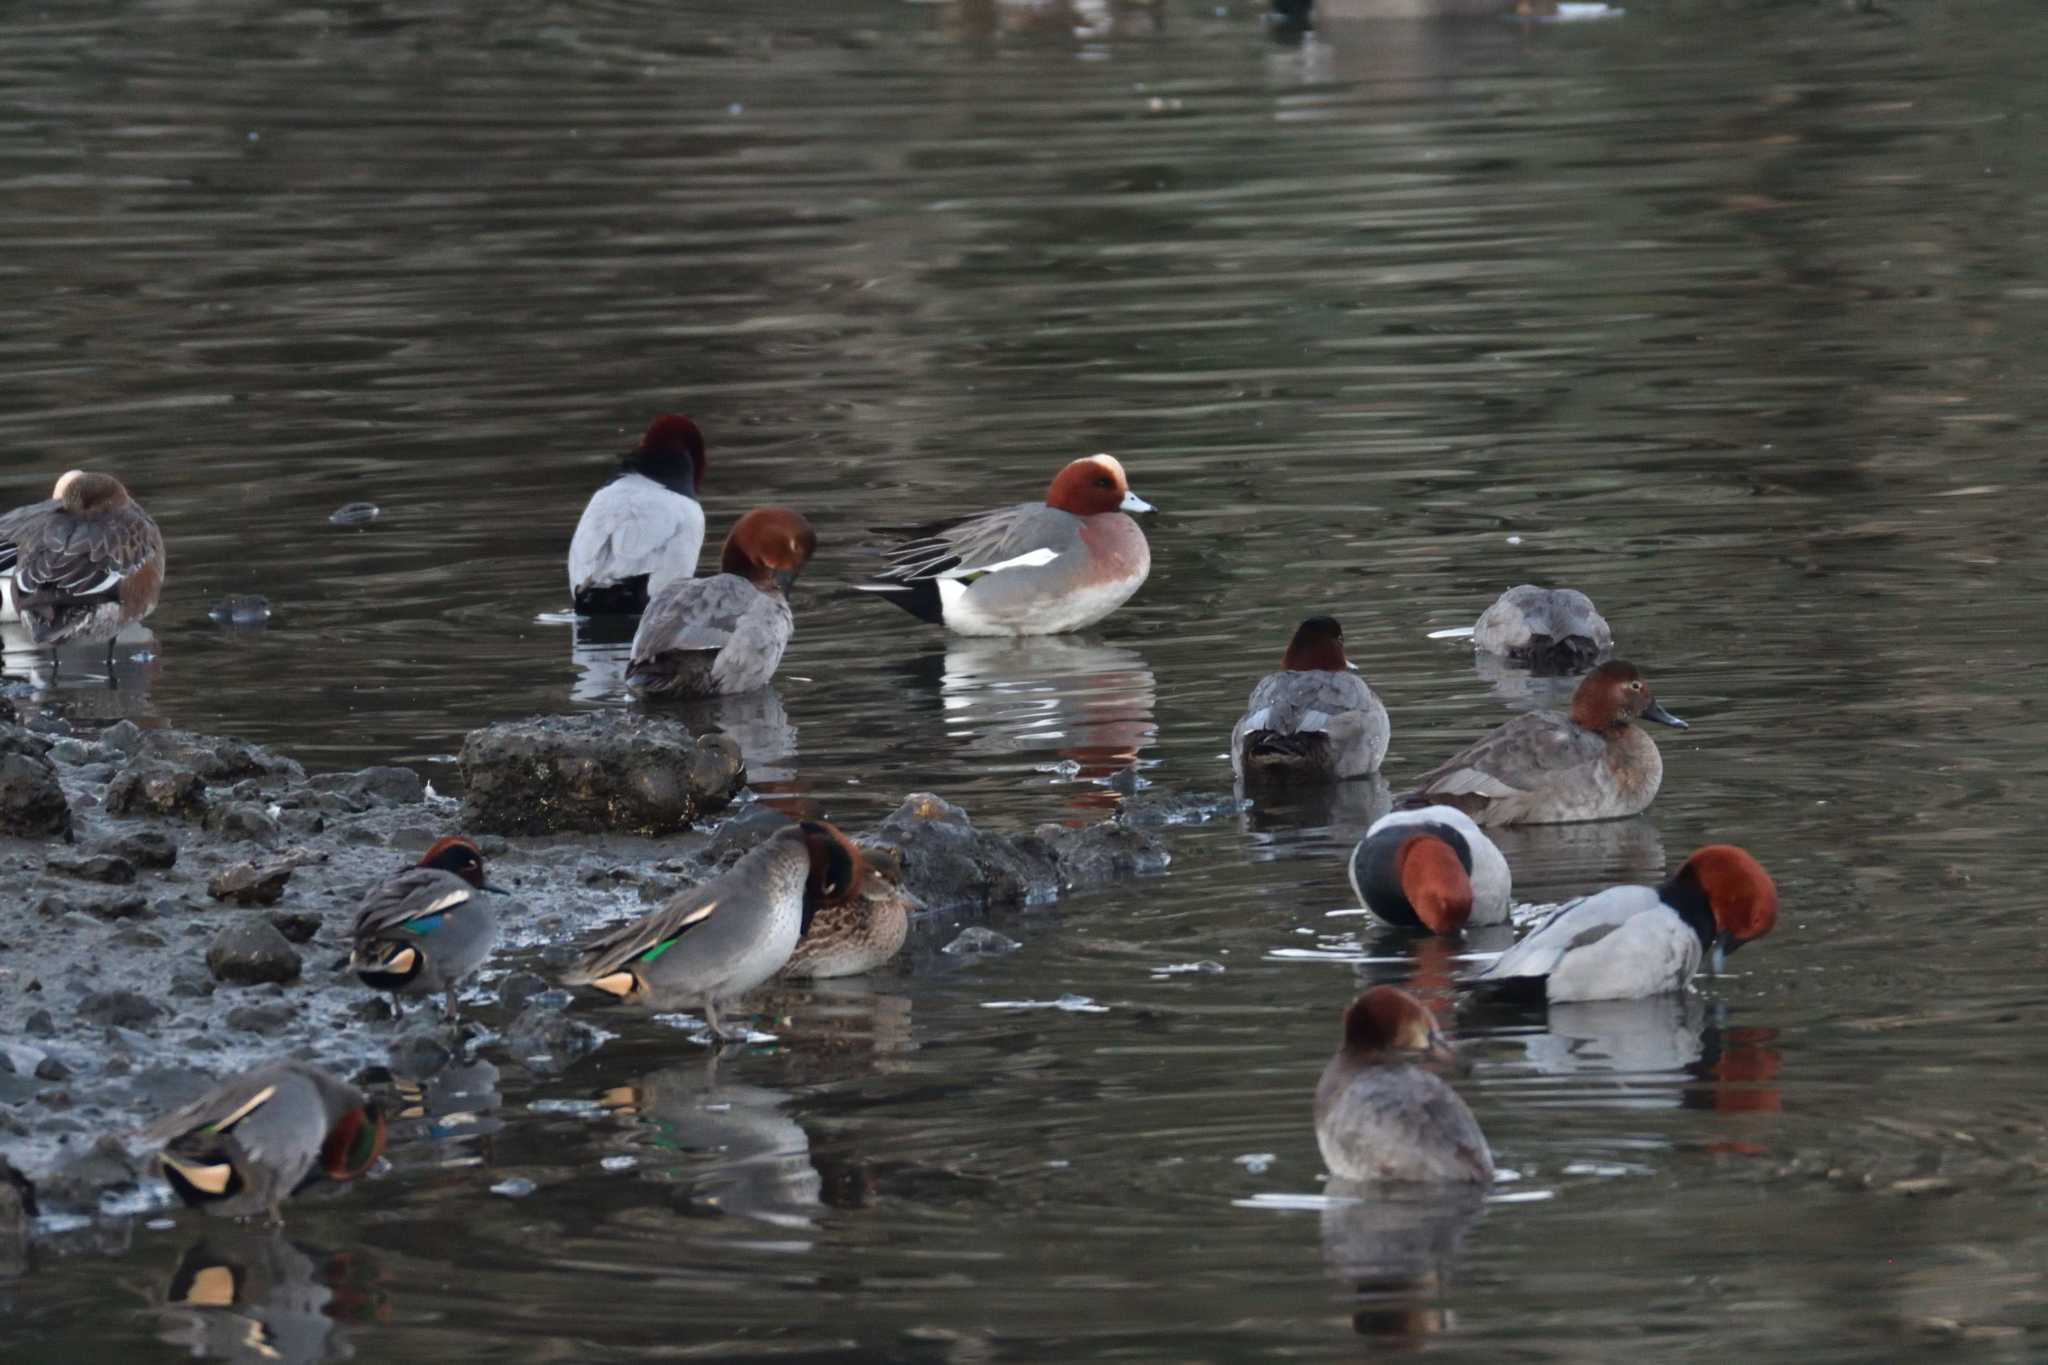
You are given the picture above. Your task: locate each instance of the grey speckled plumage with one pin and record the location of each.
(1543, 768)
(1310, 724)
(711, 943)
(448, 926)
(704, 637)
(1547, 629)
(250, 1143)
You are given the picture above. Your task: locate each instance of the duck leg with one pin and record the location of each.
(450, 1009)
(711, 1021)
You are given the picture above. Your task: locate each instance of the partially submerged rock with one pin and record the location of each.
(606, 772)
(250, 952)
(32, 803)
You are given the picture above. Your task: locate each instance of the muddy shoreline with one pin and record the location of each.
(178, 905)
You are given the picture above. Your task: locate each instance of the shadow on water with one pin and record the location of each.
(1727, 314)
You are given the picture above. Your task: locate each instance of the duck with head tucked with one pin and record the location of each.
(254, 1141)
(1381, 1114)
(1551, 631)
(1544, 768)
(717, 636)
(1033, 568)
(643, 529)
(715, 942)
(426, 929)
(1315, 720)
(81, 565)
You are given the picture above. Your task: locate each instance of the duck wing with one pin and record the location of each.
(414, 900)
(1026, 534)
(1523, 755)
(608, 950)
(1571, 927)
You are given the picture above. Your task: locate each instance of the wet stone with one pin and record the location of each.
(32, 803)
(97, 867)
(124, 736)
(120, 1009)
(249, 884)
(146, 788)
(1102, 852)
(242, 820)
(948, 864)
(296, 926)
(389, 786)
(250, 952)
(146, 848)
(260, 1018)
(39, 1024)
(546, 1040)
(596, 773)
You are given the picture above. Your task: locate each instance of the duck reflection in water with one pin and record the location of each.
(249, 1294)
(737, 1150)
(1593, 853)
(1073, 707)
(444, 1119)
(1395, 1248)
(1312, 821)
(1664, 1052)
(91, 692)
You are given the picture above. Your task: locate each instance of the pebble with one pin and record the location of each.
(251, 951)
(355, 514)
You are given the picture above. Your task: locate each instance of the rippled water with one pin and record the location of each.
(1729, 314)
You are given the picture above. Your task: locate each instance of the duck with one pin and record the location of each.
(717, 636)
(718, 941)
(425, 930)
(1633, 942)
(1542, 768)
(1432, 869)
(1381, 1115)
(253, 1141)
(1316, 719)
(643, 529)
(860, 930)
(81, 565)
(1554, 631)
(1033, 568)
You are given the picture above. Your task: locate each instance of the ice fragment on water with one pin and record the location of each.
(1072, 1004)
(1177, 968)
(518, 1187)
(1256, 1162)
(355, 513)
(620, 1163)
(976, 940)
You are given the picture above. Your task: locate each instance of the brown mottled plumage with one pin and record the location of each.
(82, 564)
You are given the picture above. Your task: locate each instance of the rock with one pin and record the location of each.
(251, 951)
(134, 905)
(742, 834)
(189, 984)
(602, 772)
(19, 739)
(17, 1206)
(32, 803)
(386, 786)
(420, 1055)
(948, 864)
(519, 987)
(1098, 853)
(146, 848)
(146, 788)
(50, 1069)
(296, 926)
(72, 752)
(546, 1041)
(39, 1024)
(242, 820)
(120, 1009)
(355, 513)
(106, 1167)
(978, 941)
(248, 884)
(123, 736)
(260, 1018)
(97, 867)
(214, 759)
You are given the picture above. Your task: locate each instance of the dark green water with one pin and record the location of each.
(1730, 315)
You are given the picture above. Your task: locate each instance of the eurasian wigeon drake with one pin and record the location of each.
(249, 1144)
(1431, 869)
(1315, 720)
(81, 565)
(424, 930)
(1543, 768)
(1035, 568)
(720, 940)
(711, 637)
(860, 928)
(1546, 630)
(643, 529)
(1630, 942)
(1380, 1116)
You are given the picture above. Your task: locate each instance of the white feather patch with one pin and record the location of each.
(256, 1101)
(446, 901)
(1029, 560)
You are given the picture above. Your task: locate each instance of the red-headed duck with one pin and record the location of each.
(643, 529)
(1543, 768)
(1431, 869)
(1546, 630)
(717, 941)
(1630, 942)
(1035, 568)
(424, 930)
(1315, 720)
(82, 564)
(1380, 1115)
(249, 1144)
(712, 637)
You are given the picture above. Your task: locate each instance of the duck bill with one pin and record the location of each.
(785, 579)
(1725, 943)
(1133, 503)
(494, 890)
(1441, 1053)
(1655, 711)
